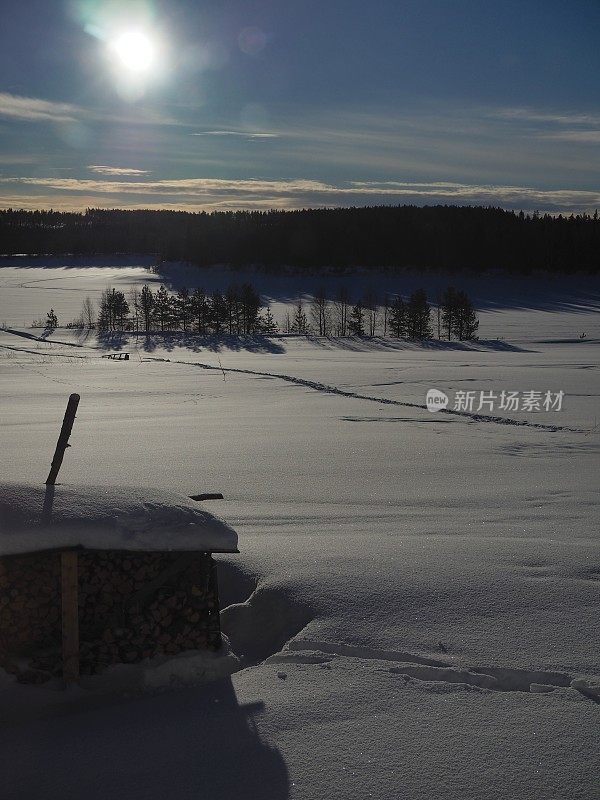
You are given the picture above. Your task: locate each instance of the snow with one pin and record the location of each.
(428, 584)
(36, 517)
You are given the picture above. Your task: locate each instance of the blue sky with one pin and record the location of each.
(277, 104)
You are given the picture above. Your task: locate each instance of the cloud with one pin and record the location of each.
(216, 193)
(243, 134)
(580, 137)
(116, 171)
(34, 109)
(546, 117)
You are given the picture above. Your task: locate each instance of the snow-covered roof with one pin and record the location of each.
(106, 518)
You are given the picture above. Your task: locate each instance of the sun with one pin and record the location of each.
(134, 50)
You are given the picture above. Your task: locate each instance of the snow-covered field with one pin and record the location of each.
(416, 597)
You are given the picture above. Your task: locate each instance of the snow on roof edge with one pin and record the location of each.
(131, 518)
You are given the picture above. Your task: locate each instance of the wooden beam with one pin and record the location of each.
(70, 615)
(63, 439)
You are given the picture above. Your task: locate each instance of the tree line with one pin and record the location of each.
(454, 316)
(236, 311)
(239, 311)
(439, 237)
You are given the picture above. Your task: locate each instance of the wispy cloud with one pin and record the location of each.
(213, 193)
(100, 169)
(566, 126)
(35, 109)
(243, 134)
(546, 117)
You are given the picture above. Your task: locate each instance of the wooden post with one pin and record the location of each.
(63, 439)
(70, 615)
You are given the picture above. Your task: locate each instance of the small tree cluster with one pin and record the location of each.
(458, 316)
(235, 311)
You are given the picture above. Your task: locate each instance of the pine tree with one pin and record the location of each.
(356, 323)
(146, 302)
(449, 305)
(161, 307)
(219, 313)
(120, 309)
(466, 321)
(113, 310)
(249, 308)
(397, 317)
(183, 307)
(418, 314)
(200, 310)
(266, 323)
(231, 299)
(299, 321)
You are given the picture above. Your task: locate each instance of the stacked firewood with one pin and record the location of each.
(132, 606)
(30, 611)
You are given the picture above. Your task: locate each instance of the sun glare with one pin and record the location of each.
(134, 50)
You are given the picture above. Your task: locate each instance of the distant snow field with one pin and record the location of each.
(415, 602)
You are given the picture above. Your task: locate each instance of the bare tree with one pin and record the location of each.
(385, 310)
(370, 306)
(135, 306)
(319, 312)
(88, 313)
(341, 308)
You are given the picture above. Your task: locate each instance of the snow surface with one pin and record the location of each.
(36, 517)
(416, 600)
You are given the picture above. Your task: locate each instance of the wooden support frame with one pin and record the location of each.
(69, 579)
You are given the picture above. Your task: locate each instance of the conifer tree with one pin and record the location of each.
(249, 308)
(162, 306)
(466, 321)
(449, 305)
(231, 299)
(146, 302)
(356, 323)
(266, 323)
(113, 310)
(299, 321)
(219, 312)
(418, 315)
(397, 317)
(199, 310)
(183, 307)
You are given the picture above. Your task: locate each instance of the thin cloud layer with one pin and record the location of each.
(243, 134)
(100, 169)
(215, 193)
(35, 109)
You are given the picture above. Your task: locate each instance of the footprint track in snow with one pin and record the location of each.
(430, 670)
(327, 389)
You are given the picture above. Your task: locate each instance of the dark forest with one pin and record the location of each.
(436, 237)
